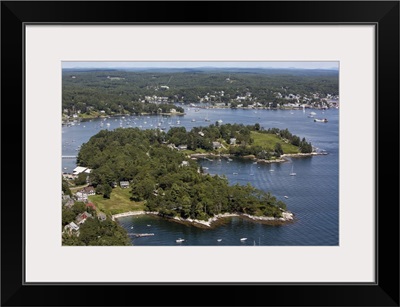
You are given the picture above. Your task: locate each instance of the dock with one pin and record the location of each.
(139, 235)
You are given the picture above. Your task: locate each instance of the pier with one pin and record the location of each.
(69, 157)
(139, 235)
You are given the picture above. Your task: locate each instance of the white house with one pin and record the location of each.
(216, 145)
(72, 228)
(124, 184)
(81, 196)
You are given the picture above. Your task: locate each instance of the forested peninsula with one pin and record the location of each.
(163, 175)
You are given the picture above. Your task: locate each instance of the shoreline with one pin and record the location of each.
(279, 160)
(215, 220)
(88, 117)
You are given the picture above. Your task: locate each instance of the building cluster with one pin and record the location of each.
(156, 99)
(83, 194)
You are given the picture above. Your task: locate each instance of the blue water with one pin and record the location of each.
(312, 195)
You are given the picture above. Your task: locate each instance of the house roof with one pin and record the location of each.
(79, 169)
(73, 226)
(83, 216)
(91, 205)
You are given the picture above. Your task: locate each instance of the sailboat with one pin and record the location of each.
(292, 173)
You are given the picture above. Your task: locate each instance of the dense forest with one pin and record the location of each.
(134, 92)
(170, 182)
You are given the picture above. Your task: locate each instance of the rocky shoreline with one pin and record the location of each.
(215, 220)
(251, 157)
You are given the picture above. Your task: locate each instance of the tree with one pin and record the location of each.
(81, 179)
(67, 216)
(107, 191)
(278, 149)
(65, 188)
(78, 207)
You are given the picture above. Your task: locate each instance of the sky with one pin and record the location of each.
(248, 64)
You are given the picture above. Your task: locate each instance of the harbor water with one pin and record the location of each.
(312, 195)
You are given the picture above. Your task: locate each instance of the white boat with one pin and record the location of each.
(219, 240)
(243, 239)
(286, 196)
(323, 120)
(292, 173)
(180, 240)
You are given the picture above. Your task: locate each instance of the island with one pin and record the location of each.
(130, 171)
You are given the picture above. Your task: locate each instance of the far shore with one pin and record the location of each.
(102, 116)
(286, 218)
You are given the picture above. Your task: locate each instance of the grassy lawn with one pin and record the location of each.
(118, 203)
(269, 141)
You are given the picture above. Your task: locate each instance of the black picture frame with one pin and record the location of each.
(383, 14)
